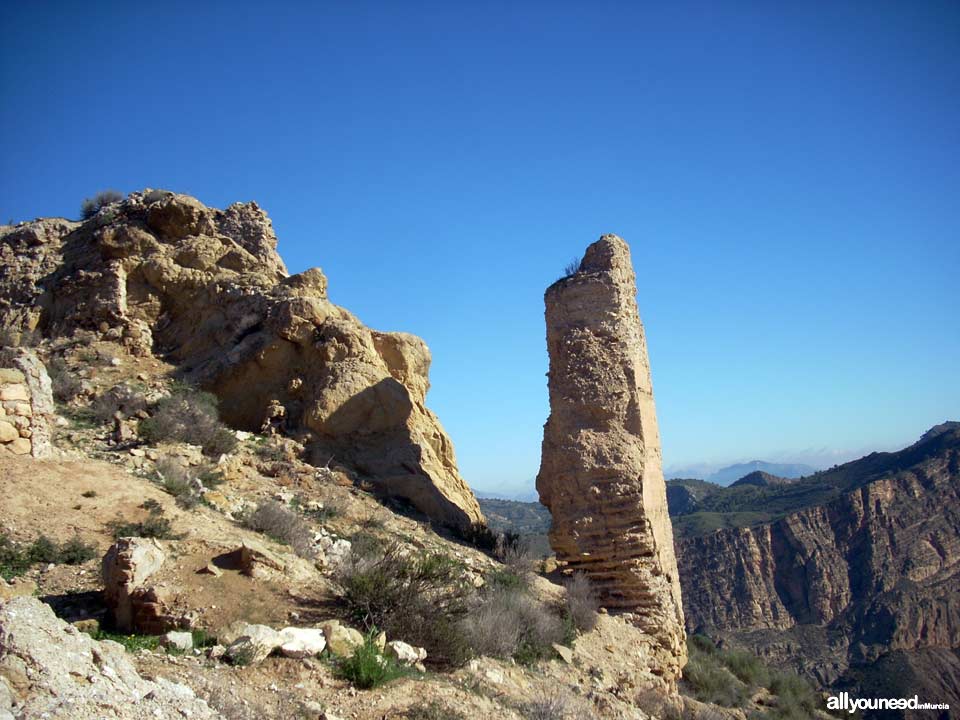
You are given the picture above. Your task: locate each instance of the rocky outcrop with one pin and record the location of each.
(206, 289)
(26, 404)
(875, 570)
(135, 605)
(600, 473)
(49, 669)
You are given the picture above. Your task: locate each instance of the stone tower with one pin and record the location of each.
(600, 473)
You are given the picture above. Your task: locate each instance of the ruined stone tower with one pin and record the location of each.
(600, 472)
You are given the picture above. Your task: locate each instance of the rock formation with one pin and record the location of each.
(49, 669)
(206, 290)
(839, 585)
(135, 606)
(600, 473)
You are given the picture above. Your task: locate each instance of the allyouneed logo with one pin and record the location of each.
(843, 701)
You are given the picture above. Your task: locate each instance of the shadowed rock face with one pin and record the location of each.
(600, 472)
(206, 289)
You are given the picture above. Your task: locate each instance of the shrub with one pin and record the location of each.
(189, 416)
(123, 399)
(433, 710)
(796, 699)
(582, 603)
(91, 206)
(16, 559)
(548, 706)
(173, 476)
(478, 535)
(510, 623)
(571, 268)
(747, 667)
(711, 683)
(76, 552)
(514, 551)
(367, 667)
(66, 385)
(419, 598)
(283, 525)
(154, 526)
(506, 579)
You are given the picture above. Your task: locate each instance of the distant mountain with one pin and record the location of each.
(759, 478)
(850, 576)
(732, 473)
(523, 496)
(525, 491)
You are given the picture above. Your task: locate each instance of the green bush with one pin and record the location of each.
(367, 667)
(707, 676)
(796, 698)
(17, 559)
(91, 206)
(190, 416)
(419, 598)
(747, 667)
(131, 643)
(710, 682)
(155, 525)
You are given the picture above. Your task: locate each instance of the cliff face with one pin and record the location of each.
(206, 289)
(600, 472)
(877, 568)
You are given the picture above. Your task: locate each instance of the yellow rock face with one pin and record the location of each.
(600, 473)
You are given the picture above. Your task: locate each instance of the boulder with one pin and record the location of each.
(302, 642)
(342, 640)
(71, 675)
(177, 640)
(256, 560)
(251, 644)
(404, 653)
(600, 473)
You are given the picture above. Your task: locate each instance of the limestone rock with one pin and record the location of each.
(600, 473)
(255, 559)
(177, 640)
(208, 289)
(71, 675)
(302, 642)
(404, 653)
(252, 644)
(342, 640)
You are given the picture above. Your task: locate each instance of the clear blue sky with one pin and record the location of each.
(787, 174)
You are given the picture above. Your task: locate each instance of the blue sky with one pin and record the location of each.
(788, 176)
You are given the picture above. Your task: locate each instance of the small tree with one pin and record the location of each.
(91, 206)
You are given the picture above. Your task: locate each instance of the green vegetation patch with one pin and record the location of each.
(16, 559)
